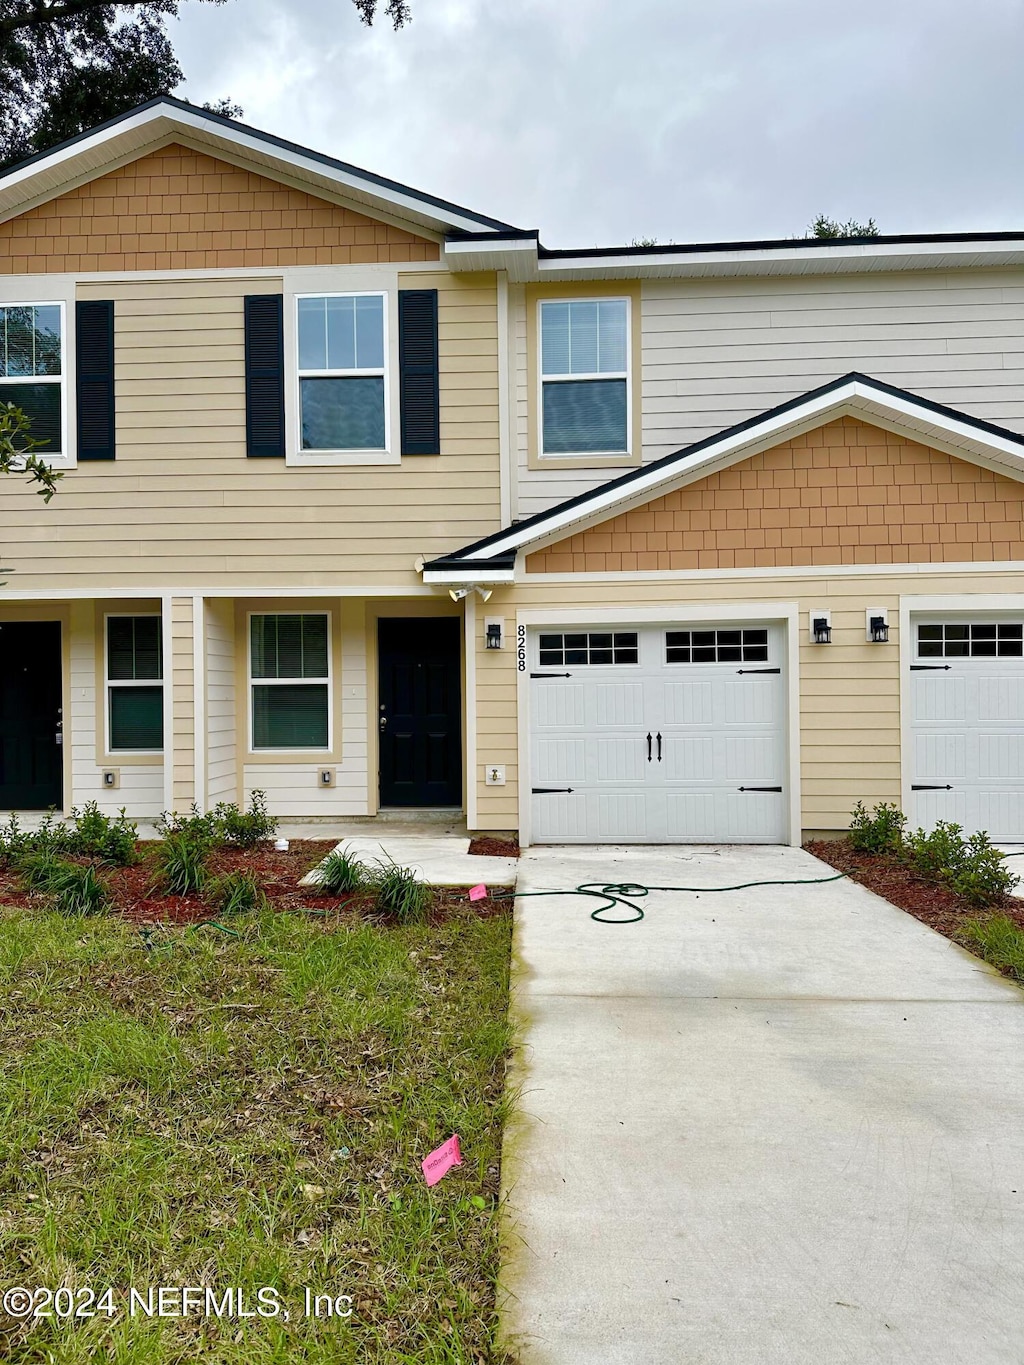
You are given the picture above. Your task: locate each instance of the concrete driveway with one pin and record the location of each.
(782, 1126)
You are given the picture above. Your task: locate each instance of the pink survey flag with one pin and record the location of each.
(439, 1162)
(478, 893)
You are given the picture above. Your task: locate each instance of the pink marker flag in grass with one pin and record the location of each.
(478, 893)
(439, 1162)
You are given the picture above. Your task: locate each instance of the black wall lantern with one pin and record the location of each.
(492, 636)
(877, 625)
(821, 627)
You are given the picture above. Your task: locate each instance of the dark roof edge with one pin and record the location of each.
(499, 235)
(688, 452)
(779, 244)
(502, 561)
(283, 143)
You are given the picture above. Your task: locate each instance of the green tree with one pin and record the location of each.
(831, 227)
(67, 65)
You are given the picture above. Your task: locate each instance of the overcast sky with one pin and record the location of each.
(600, 122)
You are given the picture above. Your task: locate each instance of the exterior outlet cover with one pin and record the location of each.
(495, 775)
(326, 777)
(111, 779)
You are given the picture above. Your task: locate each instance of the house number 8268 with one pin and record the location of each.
(521, 650)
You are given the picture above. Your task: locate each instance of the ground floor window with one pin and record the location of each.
(135, 689)
(290, 680)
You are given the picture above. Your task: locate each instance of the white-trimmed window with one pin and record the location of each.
(584, 365)
(342, 375)
(134, 684)
(290, 680)
(33, 371)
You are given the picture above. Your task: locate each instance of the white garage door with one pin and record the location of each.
(658, 734)
(967, 724)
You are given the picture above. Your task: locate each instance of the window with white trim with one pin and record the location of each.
(584, 365)
(341, 372)
(589, 647)
(716, 646)
(134, 684)
(290, 681)
(971, 640)
(32, 370)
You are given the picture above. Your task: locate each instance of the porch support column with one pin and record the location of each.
(183, 774)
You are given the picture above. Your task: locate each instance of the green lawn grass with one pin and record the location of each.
(252, 1112)
(996, 938)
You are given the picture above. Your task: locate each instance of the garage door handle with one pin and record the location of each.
(759, 670)
(659, 746)
(550, 675)
(648, 746)
(926, 787)
(551, 791)
(929, 668)
(759, 789)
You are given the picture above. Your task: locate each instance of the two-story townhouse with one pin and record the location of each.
(372, 502)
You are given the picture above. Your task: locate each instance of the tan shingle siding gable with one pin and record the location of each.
(846, 493)
(176, 209)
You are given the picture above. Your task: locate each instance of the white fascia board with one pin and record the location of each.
(148, 125)
(786, 260)
(986, 448)
(516, 256)
(467, 577)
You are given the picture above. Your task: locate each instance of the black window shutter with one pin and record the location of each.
(417, 362)
(94, 378)
(264, 375)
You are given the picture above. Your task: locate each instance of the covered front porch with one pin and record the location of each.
(338, 708)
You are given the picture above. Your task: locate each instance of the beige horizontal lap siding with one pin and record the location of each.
(181, 670)
(182, 506)
(849, 690)
(716, 352)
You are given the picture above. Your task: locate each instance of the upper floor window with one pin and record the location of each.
(32, 369)
(342, 399)
(584, 345)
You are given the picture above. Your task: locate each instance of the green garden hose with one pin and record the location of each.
(618, 893)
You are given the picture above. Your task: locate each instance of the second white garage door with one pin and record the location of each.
(658, 734)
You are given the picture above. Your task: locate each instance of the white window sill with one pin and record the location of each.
(321, 458)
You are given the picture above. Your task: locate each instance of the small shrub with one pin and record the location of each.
(879, 832)
(341, 872)
(971, 867)
(77, 890)
(196, 826)
(14, 843)
(400, 894)
(181, 860)
(245, 828)
(236, 893)
(95, 835)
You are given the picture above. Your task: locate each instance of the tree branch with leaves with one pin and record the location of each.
(16, 457)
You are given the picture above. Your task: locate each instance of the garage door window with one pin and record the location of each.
(971, 640)
(589, 648)
(716, 646)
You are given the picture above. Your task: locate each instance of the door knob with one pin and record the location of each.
(383, 724)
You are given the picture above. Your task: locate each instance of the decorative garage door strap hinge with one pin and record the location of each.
(550, 675)
(759, 789)
(929, 668)
(759, 670)
(551, 791)
(928, 787)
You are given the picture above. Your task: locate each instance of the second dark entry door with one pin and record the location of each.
(420, 712)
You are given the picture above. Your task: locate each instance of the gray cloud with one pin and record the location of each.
(599, 122)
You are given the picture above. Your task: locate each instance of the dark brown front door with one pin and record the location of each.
(31, 767)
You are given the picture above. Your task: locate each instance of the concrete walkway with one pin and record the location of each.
(772, 1127)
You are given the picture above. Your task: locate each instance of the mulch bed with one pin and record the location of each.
(929, 901)
(134, 897)
(487, 847)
